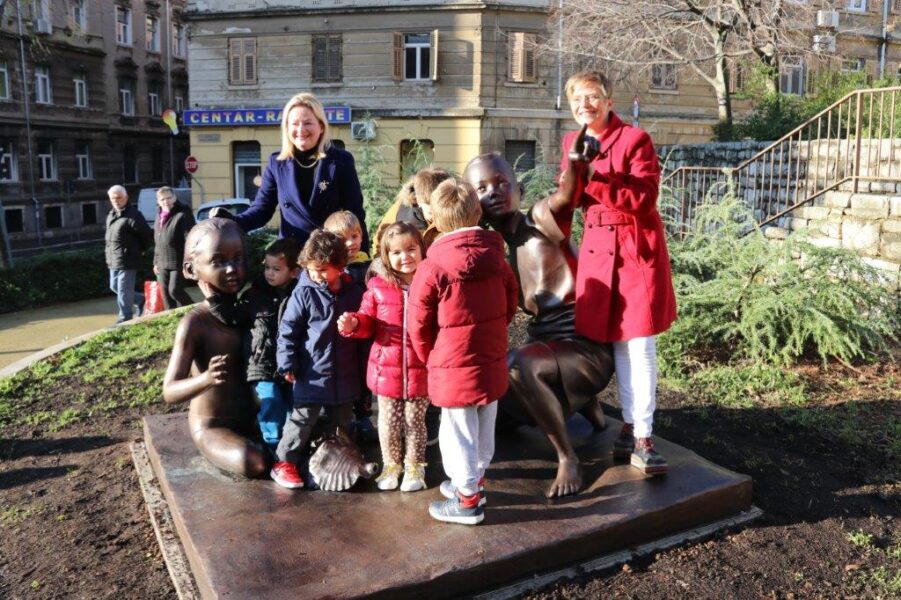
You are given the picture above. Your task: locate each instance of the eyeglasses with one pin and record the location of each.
(592, 99)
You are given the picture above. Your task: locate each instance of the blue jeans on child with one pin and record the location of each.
(122, 283)
(276, 402)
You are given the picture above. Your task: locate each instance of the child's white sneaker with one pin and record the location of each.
(388, 479)
(414, 477)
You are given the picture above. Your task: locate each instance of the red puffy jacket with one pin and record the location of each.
(462, 299)
(394, 369)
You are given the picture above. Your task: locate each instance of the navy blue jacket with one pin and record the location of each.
(326, 365)
(335, 187)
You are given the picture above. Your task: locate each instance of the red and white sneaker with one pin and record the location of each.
(285, 474)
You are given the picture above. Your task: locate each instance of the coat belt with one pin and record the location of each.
(598, 216)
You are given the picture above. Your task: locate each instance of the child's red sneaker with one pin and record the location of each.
(285, 474)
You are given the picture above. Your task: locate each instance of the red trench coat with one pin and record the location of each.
(624, 287)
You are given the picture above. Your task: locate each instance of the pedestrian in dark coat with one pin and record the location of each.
(173, 222)
(127, 238)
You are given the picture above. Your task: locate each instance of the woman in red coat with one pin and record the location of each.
(624, 289)
(395, 374)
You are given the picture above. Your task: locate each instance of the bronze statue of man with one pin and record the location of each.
(557, 372)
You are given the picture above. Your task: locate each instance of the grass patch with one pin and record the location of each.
(748, 386)
(860, 539)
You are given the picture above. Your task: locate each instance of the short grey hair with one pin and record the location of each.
(118, 189)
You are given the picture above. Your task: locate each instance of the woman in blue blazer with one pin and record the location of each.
(309, 179)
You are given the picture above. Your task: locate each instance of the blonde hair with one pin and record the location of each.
(454, 205)
(594, 77)
(406, 195)
(164, 191)
(342, 222)
(392, 231)
(310, 101)
(425, 181)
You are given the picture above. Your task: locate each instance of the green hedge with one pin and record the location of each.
(83, 274)
(49, 278)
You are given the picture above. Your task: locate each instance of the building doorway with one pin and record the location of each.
(247, 169)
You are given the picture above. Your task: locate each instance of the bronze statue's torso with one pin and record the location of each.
(539, 254)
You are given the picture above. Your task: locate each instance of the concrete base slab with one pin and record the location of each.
(254, 539)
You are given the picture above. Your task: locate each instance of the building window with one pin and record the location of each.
(791, 76)
(522, 61)
(129, 165)
(154, 108)
(327, 58)
(81, 90)
(415, 155)
(4, 81)
(127, 97)
(179, 104)
(83, 160)
(853, 65)
(152, 35)
(42, 91)
(736, 78)
(179, 47)
(415, 56)
(15, 220)
(89, 213)
(40, 14)
(123, 26)
(856, 5)
(79, 15)
(896, 6)
(520, 154)
(7, 161)
(663, 77)
(53, 216)
(242, 61)
(46, 162)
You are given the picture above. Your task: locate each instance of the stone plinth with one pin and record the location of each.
(252, 539)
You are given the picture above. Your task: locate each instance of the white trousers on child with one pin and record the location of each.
(636, 381)
(466, 439)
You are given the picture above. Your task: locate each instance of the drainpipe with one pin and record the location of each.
(883, 40)
(560, 56)
(171, 103)
(34, 200)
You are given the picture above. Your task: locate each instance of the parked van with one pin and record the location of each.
(148, 206)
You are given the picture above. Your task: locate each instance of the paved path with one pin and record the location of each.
(29, 331)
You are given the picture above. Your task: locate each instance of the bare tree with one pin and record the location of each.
(709, 37)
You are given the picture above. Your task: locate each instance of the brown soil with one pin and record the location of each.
(73, 521)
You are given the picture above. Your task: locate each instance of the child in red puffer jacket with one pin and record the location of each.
(394, 372)
(462, 299)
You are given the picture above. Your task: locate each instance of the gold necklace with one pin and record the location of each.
(303, 166)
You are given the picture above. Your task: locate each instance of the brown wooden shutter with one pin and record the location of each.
(250, 60)
(529, 66)
(234, 61)
(320, 58)
(397, 65)
(433, 54)
(335, 58)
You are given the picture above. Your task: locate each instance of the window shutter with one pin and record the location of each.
(335, 58)
(515, 57)
(250, 60)
(433, 55)
(234, 61)
(397, 65)
(529, 72)
(320, 58)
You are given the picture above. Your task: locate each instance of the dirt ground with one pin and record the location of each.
(73, 523)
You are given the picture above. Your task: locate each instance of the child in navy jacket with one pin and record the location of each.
(323, 366)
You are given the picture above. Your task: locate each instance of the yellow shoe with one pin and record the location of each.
(389, 476)
(414, 477)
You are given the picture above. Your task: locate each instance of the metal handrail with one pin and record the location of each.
(854, 139)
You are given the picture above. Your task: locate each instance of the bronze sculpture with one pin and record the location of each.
(557, 372)
(205, 365)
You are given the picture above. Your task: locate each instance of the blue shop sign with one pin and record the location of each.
(251, 117)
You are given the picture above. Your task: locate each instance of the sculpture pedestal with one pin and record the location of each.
(252, 539)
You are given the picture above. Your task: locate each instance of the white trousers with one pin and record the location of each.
(466, 439)
(636, 381)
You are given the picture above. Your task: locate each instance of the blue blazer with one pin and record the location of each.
(335, 187)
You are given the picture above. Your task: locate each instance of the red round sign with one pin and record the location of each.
(191, 165)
